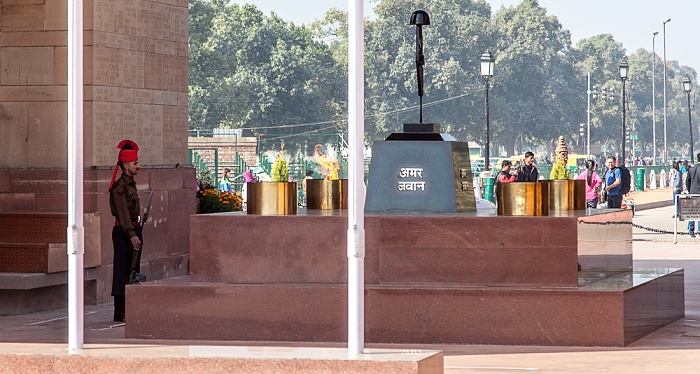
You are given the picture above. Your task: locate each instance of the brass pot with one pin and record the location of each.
(523, 199)
(567, 194)
(272, 198)
(326, 194)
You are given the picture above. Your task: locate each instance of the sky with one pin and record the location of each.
(631, 22)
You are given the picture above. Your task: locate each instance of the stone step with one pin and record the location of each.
(610, 312)
(35, 242)
(33, 227)
(40, 257)
(22, 293)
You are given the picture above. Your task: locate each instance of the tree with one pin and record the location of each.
(459, 32)
(248, 70)
(534, 90)
(600, 55)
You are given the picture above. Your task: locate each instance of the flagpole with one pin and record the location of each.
(75, 230)
(356, 193)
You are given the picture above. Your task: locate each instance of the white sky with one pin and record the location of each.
(631, 22)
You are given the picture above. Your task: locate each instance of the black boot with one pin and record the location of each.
(119, 307)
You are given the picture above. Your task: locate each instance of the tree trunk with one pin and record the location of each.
(510, 146)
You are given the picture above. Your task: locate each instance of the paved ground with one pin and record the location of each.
(673, 349)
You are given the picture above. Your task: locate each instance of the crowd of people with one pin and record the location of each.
(685, 179)
(608, 189)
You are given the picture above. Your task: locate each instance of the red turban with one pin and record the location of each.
(128, 152)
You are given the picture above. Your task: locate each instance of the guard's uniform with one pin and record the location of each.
(125, 206)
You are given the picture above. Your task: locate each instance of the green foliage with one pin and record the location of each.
(247, 69)
(559, 171)
(280, 170)
(204, 179)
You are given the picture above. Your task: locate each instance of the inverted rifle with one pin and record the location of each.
(135, 277)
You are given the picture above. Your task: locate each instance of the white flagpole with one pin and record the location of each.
(356, 193)
(75, 232)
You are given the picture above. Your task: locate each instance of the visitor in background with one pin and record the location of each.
(527, 172)
(677, 184)
(692, 183)
(613, 179)
(503, 176)
(593, 183)
(225, 184)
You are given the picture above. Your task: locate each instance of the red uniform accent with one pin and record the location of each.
(128, 152)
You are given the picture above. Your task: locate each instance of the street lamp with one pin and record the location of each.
(653, 95)
(687, 87)
(665, 144)
(624, 73)
(488, 63)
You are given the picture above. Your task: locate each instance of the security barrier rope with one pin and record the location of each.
(658, 231)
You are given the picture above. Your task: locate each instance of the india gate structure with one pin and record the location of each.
(135, 87)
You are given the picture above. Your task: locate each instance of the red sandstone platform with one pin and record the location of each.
(457, 279)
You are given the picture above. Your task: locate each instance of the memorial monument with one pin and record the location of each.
(436, 271)
(420, 169)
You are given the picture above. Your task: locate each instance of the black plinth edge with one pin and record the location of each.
(421, 136)
(421, 127)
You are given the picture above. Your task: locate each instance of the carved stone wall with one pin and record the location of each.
(135, 87)
(135, 61)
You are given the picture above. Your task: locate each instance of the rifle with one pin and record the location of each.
(135, 277)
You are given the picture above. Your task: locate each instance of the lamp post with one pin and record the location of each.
(687, 87)
(665, 144)
(653, 95)
(488, 62)
(624, 72)
(588, 117)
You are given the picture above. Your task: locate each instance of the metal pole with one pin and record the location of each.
(664, 84)
(588, 117)
(488, 140)
(356, 218)
(624, 154)
(75, 230)
(690, 123)
(653, 96)
(633, 142)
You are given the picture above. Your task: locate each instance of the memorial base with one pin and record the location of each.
(441, 279)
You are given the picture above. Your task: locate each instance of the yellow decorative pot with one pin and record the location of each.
(523, 199)
(326, 194)
(567, 194)
(272, 198)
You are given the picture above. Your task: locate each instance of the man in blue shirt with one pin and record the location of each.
(613, 178)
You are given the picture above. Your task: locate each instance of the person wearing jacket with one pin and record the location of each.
(677, 184)
(527, 172)
(225, 185)
(503, 176)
